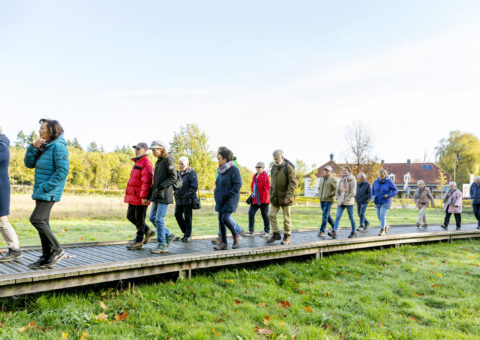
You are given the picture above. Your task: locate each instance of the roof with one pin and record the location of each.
(416, 171)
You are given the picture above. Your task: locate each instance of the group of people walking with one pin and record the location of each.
(161, 184)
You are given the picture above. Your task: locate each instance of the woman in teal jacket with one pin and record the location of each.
(49, 157)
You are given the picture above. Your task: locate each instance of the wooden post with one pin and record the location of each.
(319, 255)
(181, 274)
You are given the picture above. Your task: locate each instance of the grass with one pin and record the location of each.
(89, 218)
(412, 292)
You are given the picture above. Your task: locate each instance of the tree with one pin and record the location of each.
(441, 180)
(93, 147)
(459, 154)
(74, 143)
(360, 143)
(23, 140)
(192, 143)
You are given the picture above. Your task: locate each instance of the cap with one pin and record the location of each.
(156, 144)
(328, 168)
(140, 146)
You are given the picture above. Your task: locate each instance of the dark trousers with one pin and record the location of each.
(251, 217)
(137, 214)
(476, 212)
(183, 214)
(326, 207)
(458, 219)
(362, 209)
(226, 221)
(40, 220)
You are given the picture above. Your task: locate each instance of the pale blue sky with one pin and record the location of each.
(255, 75)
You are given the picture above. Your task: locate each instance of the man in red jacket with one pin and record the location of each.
(138, 189)
(259, 199)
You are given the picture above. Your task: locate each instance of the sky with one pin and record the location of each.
(254, 75)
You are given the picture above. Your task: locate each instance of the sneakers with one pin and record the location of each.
(220, 246)
(11, 255)
(236, 242)
(186, 240)
(217, 240)
(150, 233)
(275, 237)
(332, 234)
(135, 246)
(321, 234)
(352, 235)
(170, 239)
(265, 234)
(459, 228)
(249, 234)
(444, 226)
(161, 248)
(386, 228)
(478, 227)
(366, 226)
(418, 225)
(424, 225)
(286, 240)
(54, 259)
(382, 232)
(37, 264)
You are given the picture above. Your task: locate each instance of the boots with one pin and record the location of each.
(236, 242)
(275, 237)
(286, 240)
(150, 233)
(217, 240)
(220, 246)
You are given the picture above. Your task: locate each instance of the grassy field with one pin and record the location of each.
(88, 218)
(412, 292)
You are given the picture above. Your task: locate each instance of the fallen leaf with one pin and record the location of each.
(217, 334)
(64, 335)
(219, 320)
(266, 319)
(102, 317)
(308, 309)
(264, 331)
(104, 307)
(84, 336)
(262, 304)
(121, 317)
(413, 318)
(237, 302)
(284, 304)
(328, 294)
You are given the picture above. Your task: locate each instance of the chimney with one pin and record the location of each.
(382, 162)
(408, 161)
(331, 156)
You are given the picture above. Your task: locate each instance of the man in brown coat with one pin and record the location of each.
(282, 195)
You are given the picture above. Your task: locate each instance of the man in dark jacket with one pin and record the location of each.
(475, 196)
(363, 196)
(6, 229)
(165, 175)
(184, 199)
(282, 196)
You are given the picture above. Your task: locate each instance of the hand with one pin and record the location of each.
(386, 196)
(38, 143)
(144, 201)
(287, 200)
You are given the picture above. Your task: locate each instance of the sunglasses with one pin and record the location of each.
(258, 167)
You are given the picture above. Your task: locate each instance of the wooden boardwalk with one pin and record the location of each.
(91, 263)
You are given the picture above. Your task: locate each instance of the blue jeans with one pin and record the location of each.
(340, 210)
(237, 227)
(361, 209)
(382, 210)
(326, 207)
(251, 217)
(225, 220)
(157, 216)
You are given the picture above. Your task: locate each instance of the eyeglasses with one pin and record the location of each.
(258, 167)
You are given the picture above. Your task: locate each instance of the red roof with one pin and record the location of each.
(416, 170)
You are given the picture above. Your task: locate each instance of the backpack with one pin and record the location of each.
(178, 184)
(285, 168)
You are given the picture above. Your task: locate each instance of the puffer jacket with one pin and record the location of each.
(327, 188)
(4, 179)
(163, 178)
(282, 186)
(380, 188)
(188, 192)
(425, 198)
(140, 181)
(227, 190)
(346, 190)
(51, 169)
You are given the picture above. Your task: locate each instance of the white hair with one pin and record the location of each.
(476, 178)
(184, 160)
(278, 153)
(421, 182)
(362, 175)
(453, 183)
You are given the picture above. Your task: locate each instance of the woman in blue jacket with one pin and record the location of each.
(227, 194)
(383, 190)
(49, 157)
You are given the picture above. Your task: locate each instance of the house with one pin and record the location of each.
(404, 175)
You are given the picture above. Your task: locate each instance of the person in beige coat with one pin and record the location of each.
(346, 190)
(422, 198)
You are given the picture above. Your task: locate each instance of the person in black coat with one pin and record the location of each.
(6, 229)
(363, 196)
(227, 195)
(184, 198)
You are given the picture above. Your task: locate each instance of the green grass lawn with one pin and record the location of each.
(96, 227)
(412, 292)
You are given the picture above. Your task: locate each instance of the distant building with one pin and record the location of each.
(399, 173)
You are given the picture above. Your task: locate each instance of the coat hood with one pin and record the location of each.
(4, 139)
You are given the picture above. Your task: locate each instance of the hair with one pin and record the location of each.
(260, 164)
(362, 175)
(347, 168)
(184, 160)
(278, 153)
(224, 148)
(1, 130)
(477, 177)
(384, 172)
(421, 182)
(53, 127)
(226, 154)
(453, 183)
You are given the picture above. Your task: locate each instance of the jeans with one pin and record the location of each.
(326, 207)
(458, 219)
(40, 220)
(237, 227)
(183, 214)
(8, 233)
(251, 217)
(225, 221)
(136, 214)
(361, 209)
(340, 210)
(382, 210)
(476, 212)
(157, 216)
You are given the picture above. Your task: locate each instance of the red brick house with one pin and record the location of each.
(430, 173)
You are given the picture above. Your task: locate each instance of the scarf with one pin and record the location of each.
(382, 181)
(255, 192)
(222, 169)
(344, 182)
(449, 199)
(419, 193)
